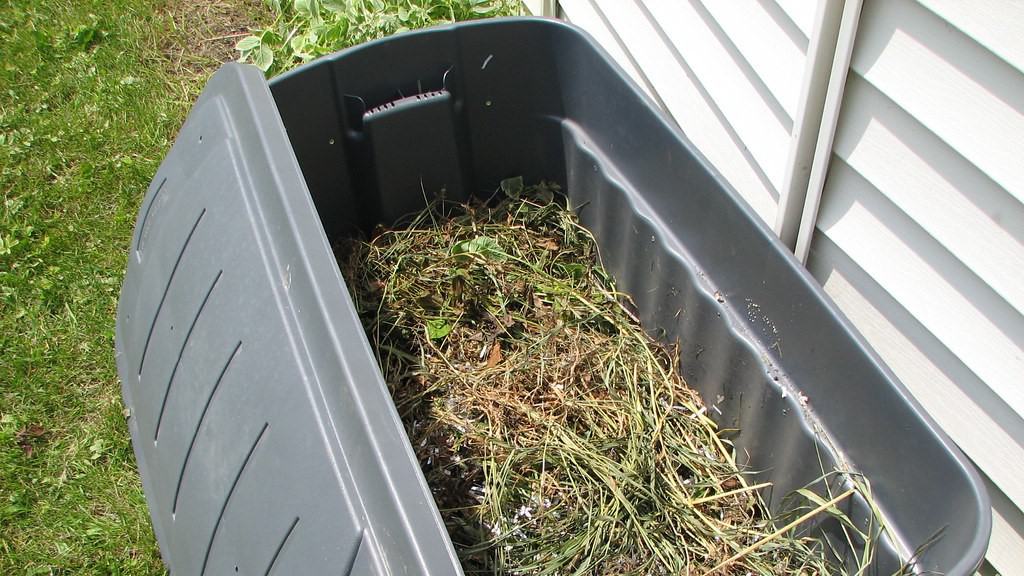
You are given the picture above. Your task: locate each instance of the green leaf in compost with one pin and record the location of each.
(512, 187)
(438, 328)
(575, 270)
(484, 246)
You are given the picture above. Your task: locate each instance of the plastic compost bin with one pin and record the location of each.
(265, 436)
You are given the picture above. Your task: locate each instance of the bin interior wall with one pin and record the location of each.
(771, 359)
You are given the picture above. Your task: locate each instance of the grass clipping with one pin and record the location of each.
(556, 436)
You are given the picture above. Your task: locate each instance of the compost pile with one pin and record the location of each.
(556, 436)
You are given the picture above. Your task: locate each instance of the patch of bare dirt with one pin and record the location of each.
(30, 438)
(204, 32)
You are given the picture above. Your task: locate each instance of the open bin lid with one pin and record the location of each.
(264, 436)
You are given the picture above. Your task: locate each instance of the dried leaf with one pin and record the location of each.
(28, 437)
(30, 432)
(495, 356)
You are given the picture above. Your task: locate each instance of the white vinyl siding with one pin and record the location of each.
(728, 73)
(920, 233)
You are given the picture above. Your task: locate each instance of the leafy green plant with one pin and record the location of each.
(307, 29)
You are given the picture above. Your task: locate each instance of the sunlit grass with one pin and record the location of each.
(89, 105)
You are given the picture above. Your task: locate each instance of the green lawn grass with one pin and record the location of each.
(91, 95)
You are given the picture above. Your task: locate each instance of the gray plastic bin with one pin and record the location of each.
(265, 436)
